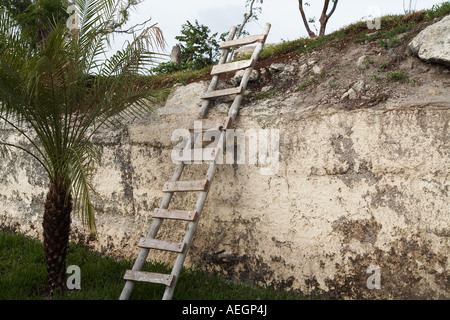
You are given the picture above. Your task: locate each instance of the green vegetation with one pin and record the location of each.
(35, 18)
(198, 48)
(307, 83)
(51, 98)
(324, 74)
(264, 95)
(397, 76)
(332, 84)
(438, 10)
(23, 277)
(392, 26)
(376, 77)
(383, 67)
(65, 67)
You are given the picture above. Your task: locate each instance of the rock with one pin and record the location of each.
(277, 66)
(344, 96)
(183, 99)
(317, 70)
(358, 86)
(266, 88)
(433, 43)
(289, 68)
(303, 69)
(175, 55)
(242, 52)
(350, 94)
(434, 92)
(254, 75)
(361, 61)
(240, 74)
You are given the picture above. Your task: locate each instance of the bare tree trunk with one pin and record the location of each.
(305, 21)
(324, 17)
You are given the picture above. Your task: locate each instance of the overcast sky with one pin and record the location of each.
(283, 15)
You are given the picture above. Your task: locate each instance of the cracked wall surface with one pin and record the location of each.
(359, 188)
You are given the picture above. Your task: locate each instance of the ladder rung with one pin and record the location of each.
(243, 41)
(175, 214)
(161, 245)
(143, 276)
(180, 186)
(199, 155)
(204, 125)
(231, 66)
(223, 92)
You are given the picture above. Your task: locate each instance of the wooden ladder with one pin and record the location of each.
(202, 186)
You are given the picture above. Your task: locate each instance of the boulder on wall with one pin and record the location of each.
(433, 43)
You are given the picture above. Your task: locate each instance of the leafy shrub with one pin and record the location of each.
(199, 49)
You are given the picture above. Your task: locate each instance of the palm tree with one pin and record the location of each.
(57, 97)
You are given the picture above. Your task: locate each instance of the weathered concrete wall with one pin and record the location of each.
(354, 189)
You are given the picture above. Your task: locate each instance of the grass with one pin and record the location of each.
(397, 76)
(392, 27)
(307, 83)
(438, 10)
(264, 95)
(23, 277)
(332, 84)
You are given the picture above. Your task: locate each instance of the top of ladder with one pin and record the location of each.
(243, 41)
(224, 67)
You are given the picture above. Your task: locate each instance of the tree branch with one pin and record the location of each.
(132, 30)
(332, 9)
(305, 21)
(325, 8)
(247, 18)
(325, 17)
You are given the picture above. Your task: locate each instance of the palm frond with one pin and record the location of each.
(68, 90)
(82, 161)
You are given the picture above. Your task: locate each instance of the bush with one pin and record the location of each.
(170, 67)
(199, 49)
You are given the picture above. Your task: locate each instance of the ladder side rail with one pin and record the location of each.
(154, 228)
(168, 293)
(142, 256)
(234, 109)
(215, 79)
(139, 263)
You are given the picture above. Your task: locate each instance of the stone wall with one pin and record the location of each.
(354, 189)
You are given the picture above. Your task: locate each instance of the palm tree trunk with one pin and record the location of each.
(56, 226)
